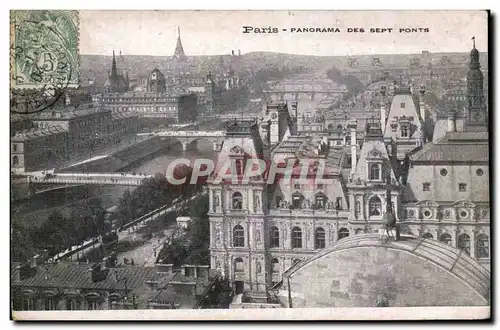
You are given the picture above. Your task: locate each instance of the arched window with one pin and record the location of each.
(320, 200)
(237, 201)
(482, 246)
(464, 243)
(427, 235)
(375, 172)
(274, 237)
(375, 206)
(15, 160)
(358, 207)
(275, 265)
(343, 232)
(297, 199)
(320, 238)
(404, 131)
(238, 236)
(445, 238)
(296, 238)
(238, 265)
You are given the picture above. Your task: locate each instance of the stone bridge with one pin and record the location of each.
(60, 180)
(295, 91)
(188, 138)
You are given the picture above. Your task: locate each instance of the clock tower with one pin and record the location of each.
(476, 105)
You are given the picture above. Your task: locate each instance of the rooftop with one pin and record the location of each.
(446, 257)
(37, 133)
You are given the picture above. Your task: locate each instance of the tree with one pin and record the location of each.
(199, 232)
(53, 234)
(21, 241)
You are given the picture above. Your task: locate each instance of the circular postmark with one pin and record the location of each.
(42, 60)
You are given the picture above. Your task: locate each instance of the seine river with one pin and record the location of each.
(36, 211)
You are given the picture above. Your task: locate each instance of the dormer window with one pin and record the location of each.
(374, 172)
(404, 131)
(402, 104)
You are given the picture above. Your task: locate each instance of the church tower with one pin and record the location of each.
(477, 116)
(179, 54)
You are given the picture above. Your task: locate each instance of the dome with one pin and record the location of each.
(156, 74)
(361, 270)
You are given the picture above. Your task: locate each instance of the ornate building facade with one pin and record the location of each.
(439, 190)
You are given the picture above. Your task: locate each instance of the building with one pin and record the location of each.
(117, 82)
(104, 286)
(434, 190)
(67, 133)
(156, 82)
(365, 271)
(174, 106)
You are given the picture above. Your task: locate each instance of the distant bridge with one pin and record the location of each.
(125, 179)
(312, 90)
(187, 138)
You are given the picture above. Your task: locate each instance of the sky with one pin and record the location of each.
(150, 32)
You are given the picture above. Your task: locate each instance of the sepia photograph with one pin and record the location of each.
(175, 164)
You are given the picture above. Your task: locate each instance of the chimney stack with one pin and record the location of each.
(451, 122)
(353, 125)
(421, 103)
(382, 116)
(35, 261)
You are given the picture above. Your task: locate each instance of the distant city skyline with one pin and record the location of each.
(219, 32)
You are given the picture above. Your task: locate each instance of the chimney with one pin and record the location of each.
(265, 132)
(67, 99)
(239, 52)
(451, 122)
(232, 52)
(97, 274)
(353, 127)
(421, 102)
(382, 116)
(294, 108)
(35, 260)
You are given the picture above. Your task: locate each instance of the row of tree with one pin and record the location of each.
(353, 85)
(154, 193)
(193, 246)
(58, 232)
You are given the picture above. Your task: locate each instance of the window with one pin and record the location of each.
(375, 206)
(479, 172)
(349, 160)
(463, 214)
(320, 186)
(275, 265)
(402, 104)
(374, 172)
(338, 203)
(239, 167)
(71, 304)
(92, 305)
(358, 207)
(358, 231)
(404, 131)
(443, 172)
(343, 232)
(278, 201)
(320, 200)
(27, 304)
(238, 236)
(445, 238)
(14, 147)
(49, 304)
(296, 238)
(297, 199)
(427, 235)
(426, 186)
(464, 243)
(237, 201)
(274, 237)
(462, 187)
(482, 246)
(319, 242)
(238, 265)
(296, 186)
(15, 160)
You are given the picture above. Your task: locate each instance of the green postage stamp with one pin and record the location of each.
(44, 50)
